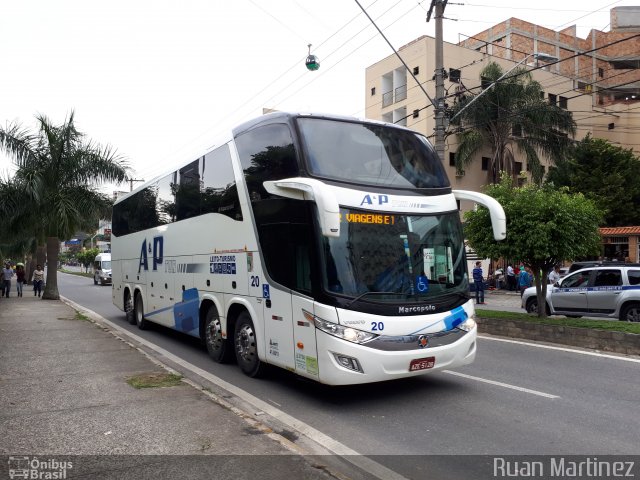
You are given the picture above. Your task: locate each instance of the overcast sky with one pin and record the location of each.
(160, 80)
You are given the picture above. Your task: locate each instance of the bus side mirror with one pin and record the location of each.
(496, 212)
(311, 189)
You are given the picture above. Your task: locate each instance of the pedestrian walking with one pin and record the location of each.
(511, 278)
(7, 275)
(524, 280)
(20, 276)
(478, 283)
(38, 280)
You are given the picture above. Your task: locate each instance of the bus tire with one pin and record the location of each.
(139, 313)
(217, 346)
(129, 310)
(246, 347)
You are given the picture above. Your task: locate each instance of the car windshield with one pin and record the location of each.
(370, 154)
(389, 257)
(105, 265)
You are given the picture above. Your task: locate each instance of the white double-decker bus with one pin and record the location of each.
(328, 246)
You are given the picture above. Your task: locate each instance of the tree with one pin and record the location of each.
(86, 257)
(511, 114)
(544, 227)
(607, 174)
(59, 171)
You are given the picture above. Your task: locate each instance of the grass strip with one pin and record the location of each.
(611, 325)
(154, 380)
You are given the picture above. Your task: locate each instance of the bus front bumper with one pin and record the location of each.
(344, 363)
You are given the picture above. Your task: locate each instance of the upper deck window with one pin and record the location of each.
(370, 154)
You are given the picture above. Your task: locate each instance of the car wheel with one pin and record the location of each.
(217, 346)
(631, 313)
(129, 310)
(246, 347)
(532, 306)
(139, 313)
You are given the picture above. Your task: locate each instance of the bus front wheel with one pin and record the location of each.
(246, 347)
(217, 346)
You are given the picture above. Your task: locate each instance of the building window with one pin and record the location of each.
(517, 167)
(373, 91)
(452, 159)
(416, 113)
(611, 126)
(485, 163)
(528, 167)
(563, 102)
(454, 75)
(600, 72)
(541, 94)
(416, 70)
(552, 99)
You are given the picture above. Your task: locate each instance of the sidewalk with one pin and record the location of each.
(63, 391)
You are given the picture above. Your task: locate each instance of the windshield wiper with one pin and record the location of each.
(372, 293)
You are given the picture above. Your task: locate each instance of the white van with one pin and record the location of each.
(102, 269)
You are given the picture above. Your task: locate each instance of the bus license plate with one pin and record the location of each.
(422, 363)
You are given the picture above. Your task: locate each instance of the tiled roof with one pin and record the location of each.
(620, 231)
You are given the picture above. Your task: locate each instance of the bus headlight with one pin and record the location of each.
(346, 333)
(467, 325)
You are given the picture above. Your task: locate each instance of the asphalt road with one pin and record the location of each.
(516, 399)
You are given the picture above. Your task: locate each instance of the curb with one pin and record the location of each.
(602, 340)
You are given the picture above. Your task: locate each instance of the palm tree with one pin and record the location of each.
(59, 171)
(511, 114)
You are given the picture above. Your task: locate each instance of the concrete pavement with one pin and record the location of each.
(64, 391)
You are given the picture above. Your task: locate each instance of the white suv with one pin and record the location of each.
(612, 292)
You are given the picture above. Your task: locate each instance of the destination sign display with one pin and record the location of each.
(370, 218)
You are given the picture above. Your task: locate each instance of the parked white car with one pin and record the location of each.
(611, 292)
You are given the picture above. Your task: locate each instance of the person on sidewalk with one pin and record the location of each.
(478, 283)
(511, 279)
(20, 275)
(554, 276)
(524, 280)
(7, 275)
(38, 280)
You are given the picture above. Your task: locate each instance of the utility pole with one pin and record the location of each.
(131, 180)
(439, 107)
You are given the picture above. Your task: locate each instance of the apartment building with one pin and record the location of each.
(392, 95)
(604, 66)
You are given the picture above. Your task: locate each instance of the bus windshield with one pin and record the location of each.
(387, 257)
(370, 154)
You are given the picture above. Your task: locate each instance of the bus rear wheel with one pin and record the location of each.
(217, 346)
(139, 313)
(129, 310)
(246, 347)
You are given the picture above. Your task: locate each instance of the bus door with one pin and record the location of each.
(277, 326)
(275, 307)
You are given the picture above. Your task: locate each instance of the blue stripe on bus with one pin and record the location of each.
(451, 321)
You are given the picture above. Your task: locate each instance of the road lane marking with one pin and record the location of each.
(500, 384)
(562, 349)
(359, 460)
